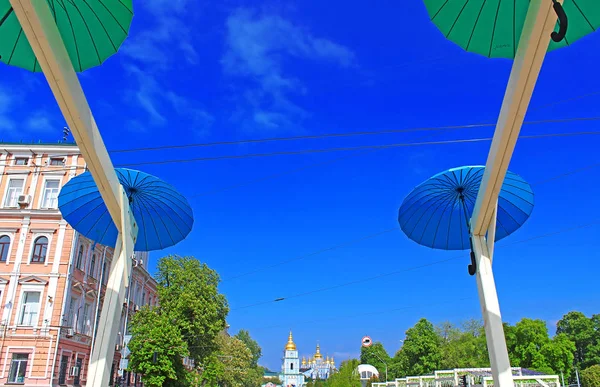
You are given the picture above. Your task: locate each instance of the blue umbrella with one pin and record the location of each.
(163, 215)
(437, 212)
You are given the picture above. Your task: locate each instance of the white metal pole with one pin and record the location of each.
(533, 45)
(102, 357)
(577, 375)
(490, 309)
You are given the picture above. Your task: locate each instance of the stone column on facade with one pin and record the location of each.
(16, 272)
(55, 274)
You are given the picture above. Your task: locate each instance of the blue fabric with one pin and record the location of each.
(164, 217)
(433, 213)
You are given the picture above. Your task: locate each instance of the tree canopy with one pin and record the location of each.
(189, 323)
(447, 346)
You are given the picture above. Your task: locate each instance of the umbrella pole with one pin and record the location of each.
(473, 264)
(101, 359)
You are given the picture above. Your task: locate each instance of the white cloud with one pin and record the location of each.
(256, 47)
(169, 32)
(151, 55)
(40, 122)
(7, 124)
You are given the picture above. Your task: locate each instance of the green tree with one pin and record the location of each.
(580, 329)
(252, 345)
(154, 337)
(530, 346)
(590, 377)
(421, 352)
(377, 356)
(188, 294)
(347, 376)
(462, 348)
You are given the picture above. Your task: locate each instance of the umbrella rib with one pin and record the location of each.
(494, 29)
(103, 27)
(515, 195)
(439, 10)
(450, 203)
(429, 198)
(15, 46)
(155, 209)
(584, 16)
(430, 202)
(457, 17)
(441, 203)
(155, 228)
(499, 223)
(87, 27)
(89, 212)
(113, 16)
(516, 187)
(63, 6)
(146, 208)
(475, 25)
(159, 197)
(6, 15)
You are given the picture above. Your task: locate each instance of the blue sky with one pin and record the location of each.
(216, 71)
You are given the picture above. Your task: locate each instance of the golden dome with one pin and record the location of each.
(318, 354)
(290, 346)
(303, 360)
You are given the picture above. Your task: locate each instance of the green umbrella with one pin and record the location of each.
(493, 27)
(92, 31)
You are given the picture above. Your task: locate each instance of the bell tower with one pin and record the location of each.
(291, 365)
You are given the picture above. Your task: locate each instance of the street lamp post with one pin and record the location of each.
(386, 367)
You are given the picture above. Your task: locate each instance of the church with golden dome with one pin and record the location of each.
(295, 374)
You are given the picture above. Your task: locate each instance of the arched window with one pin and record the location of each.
(93, 266)
(4, 246)
(291, 366)
(79, 260)
(40, 249)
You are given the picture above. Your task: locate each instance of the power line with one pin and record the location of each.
(340, 149)
(344, 244)
(325, 135)
(348, 134)
(370, 236)
(379, 276)
(386, 311)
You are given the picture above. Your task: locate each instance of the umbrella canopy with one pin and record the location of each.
(92, 31)
(433, 214)
(493, 27)
(163, 215)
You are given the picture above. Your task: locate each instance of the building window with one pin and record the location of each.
(30, 309)
(50, 195)
(18, 366)
(85, 325)
(79, 260)
(77, 378)
(15, 188)
(40, 249)
(291, 366)
(21, 160)
(57, 161)
(4, 246)
(104, 273)
(93, 266)
(71, 313)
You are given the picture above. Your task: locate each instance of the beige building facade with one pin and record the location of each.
(52, 280)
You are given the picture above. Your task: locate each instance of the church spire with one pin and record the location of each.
(290, 346)
(318, 354)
